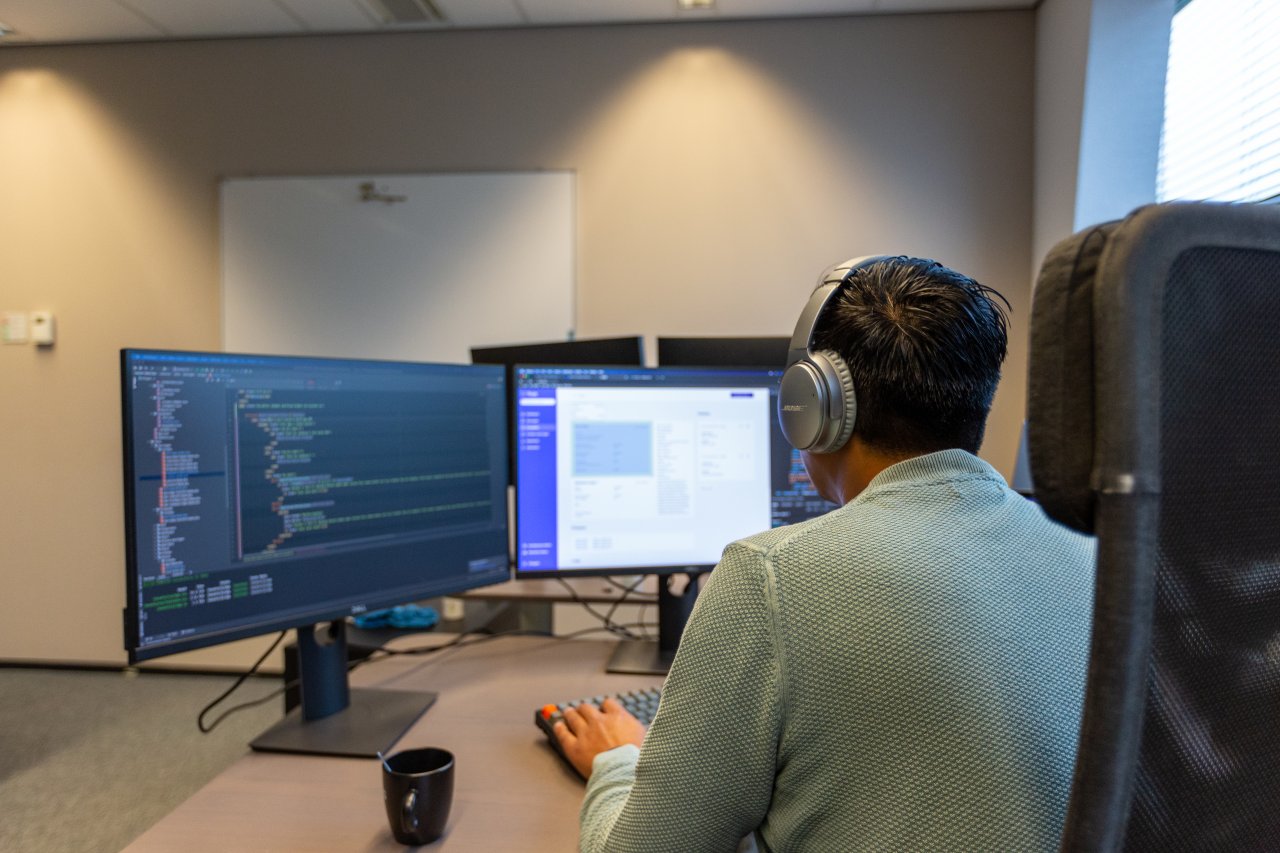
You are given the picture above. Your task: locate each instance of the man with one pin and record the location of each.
(904, 673)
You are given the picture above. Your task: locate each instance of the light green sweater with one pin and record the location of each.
(904, 673)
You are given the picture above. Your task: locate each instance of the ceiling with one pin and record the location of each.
(58, 21)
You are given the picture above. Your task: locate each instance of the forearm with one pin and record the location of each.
(704, 777)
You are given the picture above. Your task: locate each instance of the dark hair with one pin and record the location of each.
(924, 346)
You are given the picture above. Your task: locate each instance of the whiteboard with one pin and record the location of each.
(430, 266)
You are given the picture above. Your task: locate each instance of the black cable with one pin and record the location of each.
(626, 591)
(295, 682)
(606, 620)
(252, 703)
(275, 694)
(643, 603)
(382, 652)
(232, 689)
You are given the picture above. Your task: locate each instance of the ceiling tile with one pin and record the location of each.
(108, 20)
(596, 11)
(772, 8)
(73, 20)
(482, 13)
(185, 18)
(950, 5)
(327, 16)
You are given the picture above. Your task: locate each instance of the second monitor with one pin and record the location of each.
(631, 470)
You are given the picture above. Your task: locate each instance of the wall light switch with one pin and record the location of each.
(13, 327)
(42, 332)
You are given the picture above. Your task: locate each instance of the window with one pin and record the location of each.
(1221, 137)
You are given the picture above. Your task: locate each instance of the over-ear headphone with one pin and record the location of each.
(816, 403)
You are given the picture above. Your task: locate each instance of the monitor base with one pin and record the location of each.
(640, 657)
(372, 723)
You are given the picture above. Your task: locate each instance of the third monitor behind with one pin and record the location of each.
(588, 351)
(718, 351)
(629, 350)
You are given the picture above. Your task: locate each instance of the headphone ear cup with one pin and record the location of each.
(843, 407)
(816, 405)
(802, 404)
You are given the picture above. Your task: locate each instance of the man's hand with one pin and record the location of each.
(587, 731)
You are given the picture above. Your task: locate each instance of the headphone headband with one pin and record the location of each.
(828, 285)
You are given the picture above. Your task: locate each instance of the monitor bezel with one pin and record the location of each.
(138, 653)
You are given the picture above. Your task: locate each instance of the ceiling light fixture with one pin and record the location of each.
(695, 5)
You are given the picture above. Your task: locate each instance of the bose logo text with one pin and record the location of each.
(794, 408)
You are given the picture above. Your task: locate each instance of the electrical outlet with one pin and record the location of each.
(42, 331)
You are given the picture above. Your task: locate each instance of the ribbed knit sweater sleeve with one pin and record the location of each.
(692, 788)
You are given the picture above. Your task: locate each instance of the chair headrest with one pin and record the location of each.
(1060, 399)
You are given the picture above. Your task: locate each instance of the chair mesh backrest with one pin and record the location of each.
(1154, 421)
(1208, 775)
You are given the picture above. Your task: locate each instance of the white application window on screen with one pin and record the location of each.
(664, 476)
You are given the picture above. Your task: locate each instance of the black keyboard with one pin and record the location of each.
(642, 703)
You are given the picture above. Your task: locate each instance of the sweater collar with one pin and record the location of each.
(942, 465)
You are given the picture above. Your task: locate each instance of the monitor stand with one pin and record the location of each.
(647, 657)
(333, 719)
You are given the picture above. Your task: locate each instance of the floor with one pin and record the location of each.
(91, 759)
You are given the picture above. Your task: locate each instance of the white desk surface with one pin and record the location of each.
(512, 792)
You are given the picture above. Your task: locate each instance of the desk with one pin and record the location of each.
(596, 590)
(512, 792)
(530, 605)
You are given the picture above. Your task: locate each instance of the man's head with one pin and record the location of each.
(924, 345)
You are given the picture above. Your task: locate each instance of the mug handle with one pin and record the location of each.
(408, 819)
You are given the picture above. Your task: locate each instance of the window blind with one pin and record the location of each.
(1221, 136)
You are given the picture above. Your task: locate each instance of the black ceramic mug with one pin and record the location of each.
(417, 788)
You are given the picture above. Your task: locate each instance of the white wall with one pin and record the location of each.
(1099, 105)
(1124, 108)
(720, 167)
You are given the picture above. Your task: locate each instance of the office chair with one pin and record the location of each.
(1154, 423)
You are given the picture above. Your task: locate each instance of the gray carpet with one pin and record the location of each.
(89, 760)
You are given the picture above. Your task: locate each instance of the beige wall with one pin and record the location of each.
(1062, 53)
(720, 167)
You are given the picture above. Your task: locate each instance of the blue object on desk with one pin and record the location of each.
(404, 616)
